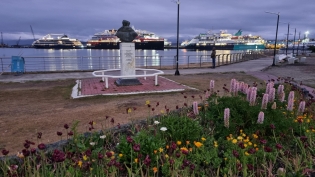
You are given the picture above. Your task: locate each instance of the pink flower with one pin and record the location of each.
(211, 86)
(290, 105)
(291, 95)
(282, 96)
(253, 95)
(260, 119)
(301, 107)
(264, 101)
(207, 95)
(195, 107)
(232, 85)
(248, 92)
(272, 94)
(236, 87)
(226, 117)
(280, 89)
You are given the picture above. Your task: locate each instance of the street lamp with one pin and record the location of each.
(305, 35)
(177, 71)
(297, 51)
(274, 52)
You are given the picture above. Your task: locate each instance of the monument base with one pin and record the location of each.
(127, 82)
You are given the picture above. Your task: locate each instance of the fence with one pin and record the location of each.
(92, 63)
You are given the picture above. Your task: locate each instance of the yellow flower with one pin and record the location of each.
(308, 120)
(80, 163)
(190, 149)
(155, 151)
(129, 110)
(147, 102)
(295, 120)
(243, 135)
(199, 108)
(246, 140)
(255, 136)
(255, 145)
(85, 157)
(307, 131)
(231, 136)
(166, 156)
(167, 146)
(239, 137)
(161, 149)
(228, 138)
(313, 130)
(234, 141)
(187, 142)
(162, 111)
(20, 155)
(198, 144)
(241, 131)
(250, 143)
(225, 158)
(178, 143)
(136, 160)
(183, 149)
(91, 169)
(245, 145)
(120, 155)
(155, 169)
(257, 149)
(246, 153)
(203, 139)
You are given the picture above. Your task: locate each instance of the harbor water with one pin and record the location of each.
(92, 59)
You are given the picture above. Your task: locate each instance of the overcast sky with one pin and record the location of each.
(82, 18)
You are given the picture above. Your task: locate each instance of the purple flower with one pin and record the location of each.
(66, 126)
(5, 152)
(58, 156)
(147, 160)
(59, 133)
(235, 153)
(136, 147)
(129, 139)
(279, 146)
(41, 146)
(272, 126)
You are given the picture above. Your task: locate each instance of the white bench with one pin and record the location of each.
(302, 59)
(292, 60)
(104, 76)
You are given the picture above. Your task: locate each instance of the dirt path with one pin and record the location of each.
(31, 107)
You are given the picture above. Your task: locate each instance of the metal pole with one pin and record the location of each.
(274, 52)
(286, 50)
(297, 51)
(303, 44)
(294, 40)
(177, 72)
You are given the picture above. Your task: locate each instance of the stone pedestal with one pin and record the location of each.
(127, 64)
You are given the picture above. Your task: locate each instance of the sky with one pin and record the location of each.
(80, 19)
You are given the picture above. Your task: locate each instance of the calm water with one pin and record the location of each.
(92, 59)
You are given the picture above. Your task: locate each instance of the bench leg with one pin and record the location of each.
(106, 82)
(145, 73)
(156, 79)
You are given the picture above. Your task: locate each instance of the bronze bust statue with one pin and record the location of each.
(126, 33)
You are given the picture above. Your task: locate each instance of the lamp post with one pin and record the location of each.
(177, 71)
(294, 40)
(274, 52)
(297, 51)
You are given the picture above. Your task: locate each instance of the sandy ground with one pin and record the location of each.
(31, 107)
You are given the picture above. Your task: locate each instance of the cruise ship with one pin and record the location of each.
(57, 41)
(108, 40)
(225, 41)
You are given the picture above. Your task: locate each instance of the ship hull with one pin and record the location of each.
(209, 47)
(150, 45)
(56, 47)
(225, 47)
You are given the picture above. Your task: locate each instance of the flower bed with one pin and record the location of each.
(243, 133)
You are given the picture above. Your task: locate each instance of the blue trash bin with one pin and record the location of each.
(17, 64)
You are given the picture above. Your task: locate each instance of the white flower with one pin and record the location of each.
(92, 143)
(163, 129)
(103, 136)
(156, 122)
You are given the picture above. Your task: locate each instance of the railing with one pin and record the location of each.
(92, 63)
